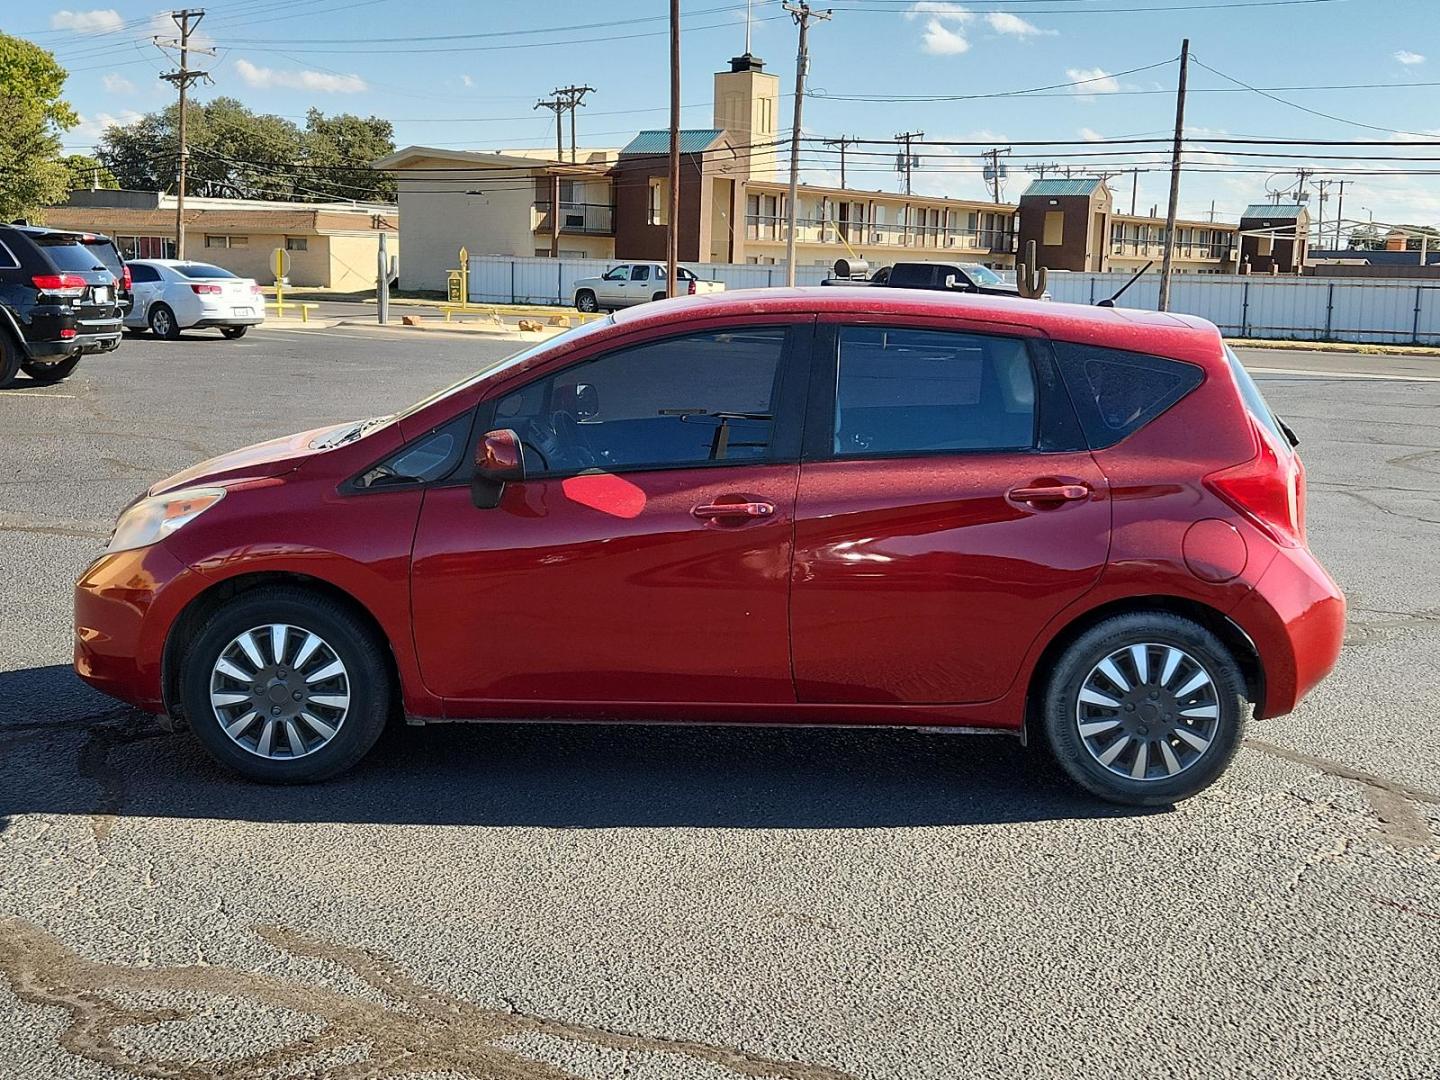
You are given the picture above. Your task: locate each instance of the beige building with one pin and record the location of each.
(498, 204)
(326, 245)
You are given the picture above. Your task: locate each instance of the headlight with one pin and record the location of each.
(155, 518)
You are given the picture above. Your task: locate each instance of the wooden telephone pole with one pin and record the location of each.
(672, 232)
(802, 14)
(1166, 266)
(842, 142)
(570, 97)
(186, 20)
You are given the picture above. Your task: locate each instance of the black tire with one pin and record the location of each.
(1060, 710)
(370, 684)
(10, 359)
(51, 372)
(658, 296)
(162, 322)
(233, 332)
(585, 301)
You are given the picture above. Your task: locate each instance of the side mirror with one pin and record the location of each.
(951, 282)
(499, 460)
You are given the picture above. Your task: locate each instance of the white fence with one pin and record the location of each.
(1377, 310)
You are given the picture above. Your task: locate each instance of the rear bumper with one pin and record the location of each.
(1295, 615)
(125, 604)
(211, 321)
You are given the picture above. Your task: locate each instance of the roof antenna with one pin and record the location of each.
(1109, 301)
(747, 27)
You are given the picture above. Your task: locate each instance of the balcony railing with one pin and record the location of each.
(590, 219)
(927, 237)
(1155, 249)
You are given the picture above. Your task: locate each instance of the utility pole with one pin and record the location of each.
(906, 161)
(1320, 223)
(1043, 167)
(569, 97)
(995, 178)
(1167, 264)
(557, 106)
(802, 14)
(186, 20)
(672, 230)
(1301, 195)
(1339, 213)
(1134, 189)
(842, 142)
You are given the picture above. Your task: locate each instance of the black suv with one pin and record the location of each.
(58, 301)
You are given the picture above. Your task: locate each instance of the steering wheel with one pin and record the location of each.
(573, 439)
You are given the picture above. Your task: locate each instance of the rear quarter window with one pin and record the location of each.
(1255, 402)
(1117, 392)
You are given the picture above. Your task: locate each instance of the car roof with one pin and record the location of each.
(80, 234)
(1182, 337)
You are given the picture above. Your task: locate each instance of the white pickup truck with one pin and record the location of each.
(636, 283)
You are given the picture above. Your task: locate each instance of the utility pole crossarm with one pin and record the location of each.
(802, 13)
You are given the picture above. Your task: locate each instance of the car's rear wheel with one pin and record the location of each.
(658, 296)
(163, 323)
(585, 301)
(1145, 709)
(286, 686)
(49, 371)
(10, 359)
(233, 332)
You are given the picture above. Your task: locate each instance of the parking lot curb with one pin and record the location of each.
(1355, 348)
(504, 333)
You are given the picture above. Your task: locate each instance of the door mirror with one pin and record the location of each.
(952, 282)
(499, 460)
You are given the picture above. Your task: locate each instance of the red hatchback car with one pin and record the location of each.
(815, 506)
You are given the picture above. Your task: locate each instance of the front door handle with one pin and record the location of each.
(736, 509)
(1050, 493)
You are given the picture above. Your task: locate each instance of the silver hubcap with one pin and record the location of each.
(280, 691)
(162, 322)
(1148, 711)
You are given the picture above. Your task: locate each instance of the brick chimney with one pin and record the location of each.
(1395, 240)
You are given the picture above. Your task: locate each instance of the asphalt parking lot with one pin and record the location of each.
(541, 902)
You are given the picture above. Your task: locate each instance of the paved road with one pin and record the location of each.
(538, 902)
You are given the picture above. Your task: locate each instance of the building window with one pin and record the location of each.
(1054, 228)
(213, 241)
(659, 201)
(297, 243)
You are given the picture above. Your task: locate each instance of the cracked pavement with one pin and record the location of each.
(539, 902)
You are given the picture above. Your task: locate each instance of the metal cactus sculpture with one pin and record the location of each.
(1029, 278)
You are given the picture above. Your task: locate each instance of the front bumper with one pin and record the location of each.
(1295, 615)
(125, 604)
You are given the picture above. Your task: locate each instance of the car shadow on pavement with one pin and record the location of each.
(69, 750)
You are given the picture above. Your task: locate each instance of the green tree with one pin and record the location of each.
(86, 171)
(234, 152)
(32, 116)
(338, 153)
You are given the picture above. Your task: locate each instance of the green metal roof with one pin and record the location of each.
(692, 141)
(1062, 187)
(1274, 211)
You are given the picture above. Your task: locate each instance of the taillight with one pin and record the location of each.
(61, 284)
(67, 333)
(1269, 489)
(692, 289)
(125, 279)
(207, 290)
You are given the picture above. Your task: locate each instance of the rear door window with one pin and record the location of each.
(1117, 392)
(929, 391)
(70, 254)
(142, 274)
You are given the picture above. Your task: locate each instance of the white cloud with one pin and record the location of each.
(1406, 57)
(1092, 81)
(1002, 22)
(94, 125)
(942, 41)
(941, 9)
(466, 80)
(117, 84)
(263, 78)
(87, 22)
(1091, 135)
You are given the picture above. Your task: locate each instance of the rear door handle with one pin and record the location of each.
(738, 509)
(1050, 493)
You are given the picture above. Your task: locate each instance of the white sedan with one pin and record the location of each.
(173, 295)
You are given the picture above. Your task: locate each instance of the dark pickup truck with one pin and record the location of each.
(943, 277)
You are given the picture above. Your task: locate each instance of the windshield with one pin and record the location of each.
(981, 275)
(201, 270)
(559, 341)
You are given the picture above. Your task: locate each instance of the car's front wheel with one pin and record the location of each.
(49, 371)
(585, 301)
(163, 323)
(1145, 709)
(286, 686)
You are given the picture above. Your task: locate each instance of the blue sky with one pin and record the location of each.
(465, 90)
